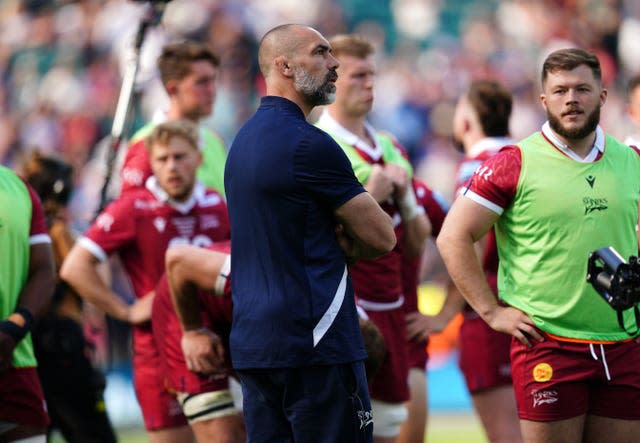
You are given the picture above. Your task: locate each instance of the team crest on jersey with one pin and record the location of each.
(104, 222)
(160, 223)
(591, 180)
(184, 225)
(594, 204)
(209, 221)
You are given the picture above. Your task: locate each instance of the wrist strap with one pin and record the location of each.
(14, 330)
(408, 206)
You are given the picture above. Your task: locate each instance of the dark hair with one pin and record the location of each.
(351, 44)
(50, 177)
(175, 61)
(569, 59)
(492, 103)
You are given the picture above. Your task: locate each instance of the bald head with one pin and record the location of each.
(282, 40)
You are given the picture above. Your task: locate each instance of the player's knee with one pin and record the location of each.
(174, 256)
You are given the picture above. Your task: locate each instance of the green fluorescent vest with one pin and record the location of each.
(563, 210)
(361, 168)
(15, 223)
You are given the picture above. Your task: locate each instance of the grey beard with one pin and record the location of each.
(315, 93)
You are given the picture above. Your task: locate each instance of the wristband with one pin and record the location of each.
(13, 329)
(408, 206)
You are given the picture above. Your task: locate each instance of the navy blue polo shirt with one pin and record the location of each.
(293, 302)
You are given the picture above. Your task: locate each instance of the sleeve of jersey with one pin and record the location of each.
(494, 183)
(434, 204)
(321, 168)
(38, 232)
(136, 168)
(114, 228)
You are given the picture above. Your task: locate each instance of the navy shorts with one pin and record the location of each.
(312, 404)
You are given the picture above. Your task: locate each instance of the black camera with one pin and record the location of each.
(617, 281)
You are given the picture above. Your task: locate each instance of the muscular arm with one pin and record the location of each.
(416, 232)
(366, 226)
(417, 227)
(81, 270)
(190, 268)
(38, 290)
(35, 296)
(466, 223)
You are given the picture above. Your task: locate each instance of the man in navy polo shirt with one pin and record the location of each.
(298, 214)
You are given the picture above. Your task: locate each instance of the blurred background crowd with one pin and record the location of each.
(61, 65)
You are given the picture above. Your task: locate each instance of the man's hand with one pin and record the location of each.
(513, 322)
(7, 345)
(140, 311)
(399, 178)
(347, 244)
(419, 326)
(380, 184)
(203, 351)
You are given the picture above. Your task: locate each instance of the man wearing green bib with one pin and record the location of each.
(188, 71)
(26, 286)
(553, 198)
(378, 163)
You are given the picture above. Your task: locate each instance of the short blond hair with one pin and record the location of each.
(162, 133)
(351, 44)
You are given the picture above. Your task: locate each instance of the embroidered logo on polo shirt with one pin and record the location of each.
(366, 418)
(594, 204)
(542, 372)
(544, 397)
(591, 180)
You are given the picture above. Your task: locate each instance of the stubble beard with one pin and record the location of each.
(575, 133)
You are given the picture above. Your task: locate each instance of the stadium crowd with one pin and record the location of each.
(61, 64)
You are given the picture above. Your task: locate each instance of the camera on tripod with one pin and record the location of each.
(617, 281)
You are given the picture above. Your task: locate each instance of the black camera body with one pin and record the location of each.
(617, 281)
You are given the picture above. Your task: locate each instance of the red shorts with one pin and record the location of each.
(557, 380)
(391, 381)
(216, 315)
(484, 355)
(21, 398)
(160, 408)
(418, 355)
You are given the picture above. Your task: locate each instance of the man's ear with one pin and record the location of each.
(172, 87)
(282, 64)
